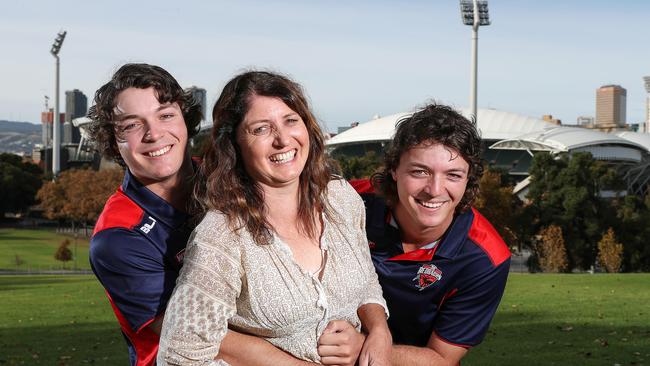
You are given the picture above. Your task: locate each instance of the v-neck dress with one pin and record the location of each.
(228, 279)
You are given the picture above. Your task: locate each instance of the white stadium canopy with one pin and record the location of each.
(493, 125)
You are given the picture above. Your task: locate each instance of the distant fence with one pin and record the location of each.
(30, 270)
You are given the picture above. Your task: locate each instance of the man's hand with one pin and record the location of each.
(376, 349)
(340, 344)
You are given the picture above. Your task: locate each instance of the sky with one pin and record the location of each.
(355, 59)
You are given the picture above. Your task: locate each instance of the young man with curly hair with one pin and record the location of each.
(441, 265)
(142, 119)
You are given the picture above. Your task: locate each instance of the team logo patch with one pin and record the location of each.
(372, 244)
(427, 275)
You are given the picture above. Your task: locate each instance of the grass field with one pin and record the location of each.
(33, 250)
(57, 320)
(543, 320)
(570, 319)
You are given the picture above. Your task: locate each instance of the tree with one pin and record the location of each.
(631, 225)
(79, 195)
(551, 251)
(359, 166)
(499, 205)
(19, 182)
(63, 253)
(564, 191)
(610, 252)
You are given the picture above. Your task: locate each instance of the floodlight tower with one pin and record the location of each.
(56, 129)
(646, 81)
(474, 13)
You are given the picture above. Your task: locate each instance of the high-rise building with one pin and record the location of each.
(76, 105)
(47, 118)
(585, 121)
(646, 80)
(199, 95)
(610, 107)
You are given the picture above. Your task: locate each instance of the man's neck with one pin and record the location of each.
(177, 189)
(415, 236)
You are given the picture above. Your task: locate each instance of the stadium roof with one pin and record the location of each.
(493, 125)
(603, 146)
(642, 139)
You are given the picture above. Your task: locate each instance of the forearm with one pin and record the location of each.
(416, 356)
(242, 349)
(373, 318)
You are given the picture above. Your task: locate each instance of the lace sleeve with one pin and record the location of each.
(196, 319)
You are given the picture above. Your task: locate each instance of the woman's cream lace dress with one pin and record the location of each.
(227, 278)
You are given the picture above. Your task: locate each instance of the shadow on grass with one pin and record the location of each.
(19, 282)
(74, 344)
(517, 339)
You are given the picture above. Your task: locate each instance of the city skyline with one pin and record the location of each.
(355, 60)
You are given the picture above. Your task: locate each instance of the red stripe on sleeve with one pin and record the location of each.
(485, 235)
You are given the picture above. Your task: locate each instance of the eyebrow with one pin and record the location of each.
(426, 167)
(122, 117)
(266, 120)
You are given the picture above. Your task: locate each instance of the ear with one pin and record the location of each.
(393, 175)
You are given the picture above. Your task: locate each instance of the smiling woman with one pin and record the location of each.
(281, 253)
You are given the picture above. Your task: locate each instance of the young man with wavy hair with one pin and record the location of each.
(441, 264)
(142, 119)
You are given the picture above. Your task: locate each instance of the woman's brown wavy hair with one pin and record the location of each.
(224, 184)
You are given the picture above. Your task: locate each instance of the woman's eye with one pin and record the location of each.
(261, 130)
(292, 121)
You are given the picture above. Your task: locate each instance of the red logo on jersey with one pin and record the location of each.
(427, 275)
(372, 245)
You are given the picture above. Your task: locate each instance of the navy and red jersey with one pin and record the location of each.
(452, 288)
(136, 253)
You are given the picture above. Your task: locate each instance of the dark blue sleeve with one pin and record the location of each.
(133, 272)
(465, 317)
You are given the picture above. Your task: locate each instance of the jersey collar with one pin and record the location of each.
(446, 247)
(151, 202)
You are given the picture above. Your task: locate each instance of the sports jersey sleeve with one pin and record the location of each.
(133, 273)
(374, 293)
(465, 316)
(204, 300)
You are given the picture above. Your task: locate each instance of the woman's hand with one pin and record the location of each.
(340, 344)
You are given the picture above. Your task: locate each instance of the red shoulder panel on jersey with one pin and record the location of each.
(119, 211)
(484, 235)
(144, 340)
(362, 185)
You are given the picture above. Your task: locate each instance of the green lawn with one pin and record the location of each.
(57, 320)
(25, 250)
(574, 319)
(565, 319)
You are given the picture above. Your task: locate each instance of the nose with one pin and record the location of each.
(434, 186)
(281, 137)
(154, 131)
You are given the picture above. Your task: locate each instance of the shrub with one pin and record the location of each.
(63, 253)
(610, 252)
(551, 251)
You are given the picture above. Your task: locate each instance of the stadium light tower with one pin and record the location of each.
(646, 81)
(56, 129)
(474, 13)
